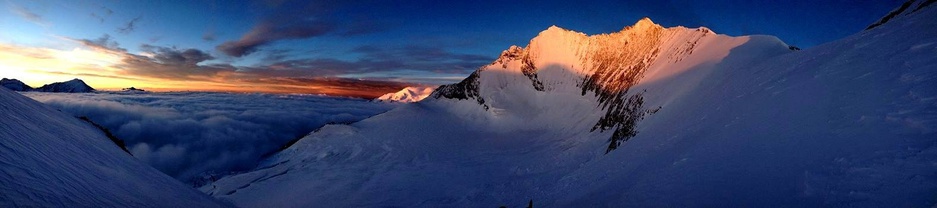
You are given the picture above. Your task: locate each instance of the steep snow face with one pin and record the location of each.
(407, 95)
(50, 159)
(727, 122)
(594, 74)
(14, 84)
(71, 86)
(849, 123)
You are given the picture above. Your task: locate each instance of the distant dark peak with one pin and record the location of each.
(464, 90)
(909, 7)
(15, 85)
(71, 86)
(133, 89)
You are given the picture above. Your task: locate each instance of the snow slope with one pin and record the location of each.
(50, 159)
(704, 119)
(407, 95)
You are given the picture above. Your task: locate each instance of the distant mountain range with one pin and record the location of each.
(71, 86)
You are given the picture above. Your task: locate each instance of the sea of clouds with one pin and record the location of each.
(192, 135)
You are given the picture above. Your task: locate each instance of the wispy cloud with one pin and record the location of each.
(174, 56)
(74, 74)
(130, 26)
(104, 43)
(269, 32)
(209, 36)
(295, 19)
(105, 12)
(27, 14)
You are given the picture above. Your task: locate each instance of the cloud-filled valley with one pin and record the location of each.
(190, 135)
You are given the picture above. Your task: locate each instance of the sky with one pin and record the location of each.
(349, 48)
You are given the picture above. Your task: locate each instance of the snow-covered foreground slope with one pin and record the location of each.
(727, 121)
(50, 159)
(407, 95)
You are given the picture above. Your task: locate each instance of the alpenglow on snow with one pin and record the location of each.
(647, 116)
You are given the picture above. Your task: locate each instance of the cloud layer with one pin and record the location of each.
(189, 135)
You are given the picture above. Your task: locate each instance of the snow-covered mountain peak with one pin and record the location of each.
(558, 36)
(599, 70)
(602, 58)
(407, 95)
(557, 46)
(643, 24)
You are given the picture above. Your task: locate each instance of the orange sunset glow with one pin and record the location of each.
(109, 69)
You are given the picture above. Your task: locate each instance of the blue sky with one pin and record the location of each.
(421, 42)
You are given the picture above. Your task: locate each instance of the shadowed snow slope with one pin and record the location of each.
(727, 121)
(50, 159)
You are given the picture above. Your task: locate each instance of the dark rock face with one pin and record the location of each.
(891, 15)
(466, 89)
(902, 10)
(530, 71)
(15, 85)
(119, 142)
(528, 68)
(925, 4)
(614, 73)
